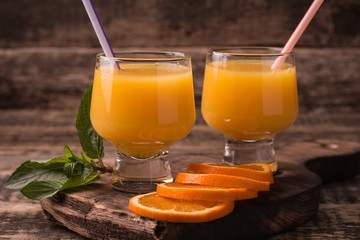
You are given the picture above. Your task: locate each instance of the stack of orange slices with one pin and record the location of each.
(206, 192)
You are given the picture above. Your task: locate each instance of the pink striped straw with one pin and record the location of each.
(297, 33)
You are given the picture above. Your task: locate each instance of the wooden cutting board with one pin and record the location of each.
(99, 212)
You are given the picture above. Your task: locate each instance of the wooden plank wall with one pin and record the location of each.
(149, 23)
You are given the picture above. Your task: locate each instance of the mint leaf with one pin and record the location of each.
(86, 171)
(70, 155)
(73, 169)
(78, 166)
(90, 141)
(68, 152)
(77, 181)
(39, 190)
(58, 169)
(87, 159)
(55, 163)
(32, 170)
(69, 169)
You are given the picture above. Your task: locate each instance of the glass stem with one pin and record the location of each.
(140, 175)
(243, 152)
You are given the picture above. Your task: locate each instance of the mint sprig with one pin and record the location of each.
(40, 179)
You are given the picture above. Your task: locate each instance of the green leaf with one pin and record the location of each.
(68, 152)
(34, 170)
(90, 141)
(55, 163)
(69, 169)
(77, 181)
(87, 159)
(86, 171)
(70, 155)
(39, 190)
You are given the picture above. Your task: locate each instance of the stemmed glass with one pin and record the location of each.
(248, 101)
(142, 102)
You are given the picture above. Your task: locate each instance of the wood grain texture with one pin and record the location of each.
(338, 216)
(293, 199)
(25, 23)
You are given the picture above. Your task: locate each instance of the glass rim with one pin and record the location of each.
(250, 51)
(163, 56)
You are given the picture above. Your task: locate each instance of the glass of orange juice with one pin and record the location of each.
(142, 102)
(248, 101)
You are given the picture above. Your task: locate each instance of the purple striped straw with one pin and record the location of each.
(89, 7)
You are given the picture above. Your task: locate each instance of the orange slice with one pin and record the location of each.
(153, 206)
(220, 180)
(257, 171)
(201, 192)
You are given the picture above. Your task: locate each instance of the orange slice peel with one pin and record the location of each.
(221, 180)
(202, 192)
(257, 171)
(153, 206)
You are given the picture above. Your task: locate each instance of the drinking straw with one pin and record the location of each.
(94, 19)
(297, 33)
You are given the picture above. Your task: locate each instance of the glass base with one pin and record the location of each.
(243, 152)
(140, 175)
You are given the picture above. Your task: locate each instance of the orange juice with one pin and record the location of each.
(143, 108)
(246, 100)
